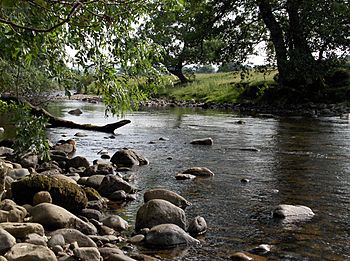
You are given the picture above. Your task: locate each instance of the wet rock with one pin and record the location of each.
(197, 226)
(75, 112)
(67, 236)
(293, 213)
(91, 213)
(41, 197)
(205, 141)
(182, 176)
(167, 195)
(118, 195)
(36, 239)
(112, 183)
(68, 146)
(262, 249)
(18, 173)
(87, 254)
(250, 149)
(245, 180)
(168, 236)
(159, 211)
(128, 158)
(93, 181)
(115, 222)
(30, 252)
(239, 256)
(78, 162)
(199, 172)
(54, 217)
(113, 253)
(21, 230)
(7, 241)
(63, 193)
(136, 239)
(80, 134)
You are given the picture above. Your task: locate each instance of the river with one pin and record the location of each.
(294, 160)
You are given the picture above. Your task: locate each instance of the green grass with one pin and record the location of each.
(217, 87)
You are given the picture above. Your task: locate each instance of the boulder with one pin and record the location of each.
(75, 112)
(91, 213)
(87, 254)
(199, 172)
(205, 141)
(68, 146)
(112, 183)
(36, 239)
(92, 194)
(18, 173)
(42, 197)
(197, 226)
(7, 241)
(159, 211)
(67, 236)
(78, 162)
(30, 252)
(11, 212)
(54, 217)
(118, 195)
(114, 254)
(63, 192)
(128, 158)
(94, 181)
(115, 222)
(182, 176)
(168, 236)
(5, 151)
(29, 160)
(167, 195)
(21, 230)
(293, 213)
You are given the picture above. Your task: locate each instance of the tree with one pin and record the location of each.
(101, 33)
(187, 35)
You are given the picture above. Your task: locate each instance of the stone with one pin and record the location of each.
(11, 212)
(67, 236)
(42, 197)
(78, 162)
(75, 112)
(197, 226)
(115, 222)
(36, 239)
(7, 241)
(199, 172)
(136, 239)
(239, 256)
(29, 160)
(21, 230)
(106, 239)
(68, 146)
(112, 183)
(205, 141)
(159, 211)
(18, 173)
(128, 158)
(118, 195)
(262, 249)
(87, 254)
(94, 181)
(167, 195)
(293, 213)
(181, 176)
(5, 151)
(55, 217)
(91, 213)
(92, 194)
(64, 193)
(113, 254)
(30, 252)
(80, 134)
(168, 236)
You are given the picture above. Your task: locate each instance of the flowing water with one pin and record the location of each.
(287, 160)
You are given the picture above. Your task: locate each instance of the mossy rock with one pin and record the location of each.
(65, 194)
(92, 194)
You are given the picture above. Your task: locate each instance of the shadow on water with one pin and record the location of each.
(287, 160)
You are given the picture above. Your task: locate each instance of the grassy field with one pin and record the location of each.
(218, 87)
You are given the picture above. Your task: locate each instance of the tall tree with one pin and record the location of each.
(101, 34)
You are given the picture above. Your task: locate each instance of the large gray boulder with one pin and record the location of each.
(112, 183)
(168, 236)
(128, 158)
(7, 241)
(167, 195)
(291, 213)
(159, 211)
(65, 236)
(30, 252)
(54, 217)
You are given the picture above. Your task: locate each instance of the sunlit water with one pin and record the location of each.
(299, 161)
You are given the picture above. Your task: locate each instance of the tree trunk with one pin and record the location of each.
(177, 71)
(57, 122)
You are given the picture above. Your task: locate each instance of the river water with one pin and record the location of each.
(287, 161)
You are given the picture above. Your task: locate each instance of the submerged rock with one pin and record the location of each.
(199, 172)
(168, 236)
(197, 226)
(167, 195)
(293, 213)
(205, 141)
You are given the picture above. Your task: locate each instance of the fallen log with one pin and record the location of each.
(57, 122)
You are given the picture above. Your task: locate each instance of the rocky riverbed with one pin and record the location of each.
(58, 210)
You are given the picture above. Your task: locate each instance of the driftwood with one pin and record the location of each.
(57, 122)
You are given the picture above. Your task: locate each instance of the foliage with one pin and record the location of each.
(99, 34)
(30, 130)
